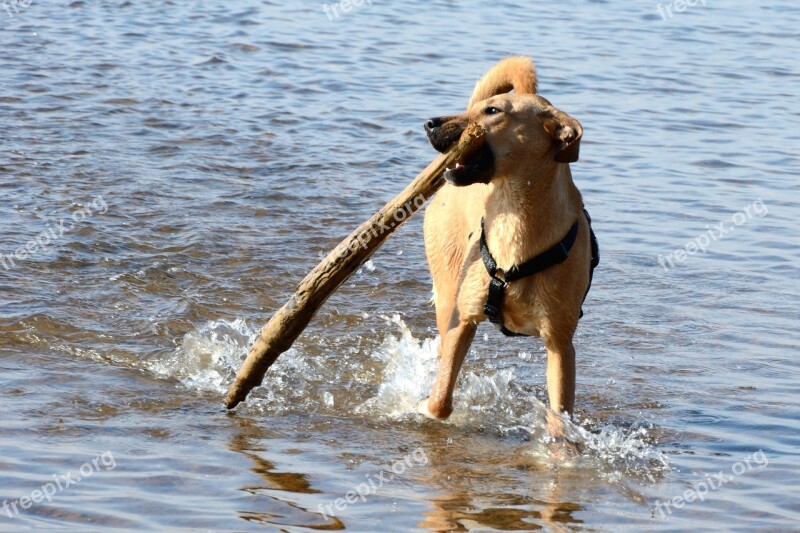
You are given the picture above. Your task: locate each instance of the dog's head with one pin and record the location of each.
(523, 133)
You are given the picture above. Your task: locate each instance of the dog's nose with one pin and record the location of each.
(433, 123)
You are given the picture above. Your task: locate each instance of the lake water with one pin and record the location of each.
(184, 164)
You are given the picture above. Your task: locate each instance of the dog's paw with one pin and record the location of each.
(563, 450)
(440, 413)
(422, 408)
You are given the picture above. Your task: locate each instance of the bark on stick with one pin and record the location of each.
(288, 323)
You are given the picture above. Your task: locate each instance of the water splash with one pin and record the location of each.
(390, 380)
(209, 357)
(408, 370)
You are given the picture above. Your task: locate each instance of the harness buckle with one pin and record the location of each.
(494, 303)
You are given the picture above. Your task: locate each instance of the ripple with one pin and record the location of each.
(236, 145)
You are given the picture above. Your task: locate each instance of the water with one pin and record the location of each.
(233, 145)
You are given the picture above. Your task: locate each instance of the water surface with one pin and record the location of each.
(203, 156)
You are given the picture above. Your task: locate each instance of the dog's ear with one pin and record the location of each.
(566, 133)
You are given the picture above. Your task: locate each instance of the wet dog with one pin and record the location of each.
(507, 237)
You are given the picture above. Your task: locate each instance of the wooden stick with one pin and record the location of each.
(288, 323)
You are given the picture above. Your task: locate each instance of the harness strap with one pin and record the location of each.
(551, 257)
(595, 255)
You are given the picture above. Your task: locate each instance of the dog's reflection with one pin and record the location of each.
(471, 480)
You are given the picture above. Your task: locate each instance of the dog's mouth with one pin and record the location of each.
(477, 167)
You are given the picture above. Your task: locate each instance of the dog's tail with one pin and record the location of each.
(516, 72)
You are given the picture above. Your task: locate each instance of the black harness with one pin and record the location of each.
(554, 256)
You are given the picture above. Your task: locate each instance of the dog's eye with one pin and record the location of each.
(491, 111)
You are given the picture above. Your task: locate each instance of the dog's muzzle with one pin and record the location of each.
(444, 131)
(477, 167)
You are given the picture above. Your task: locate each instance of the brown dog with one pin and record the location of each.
(517, 192)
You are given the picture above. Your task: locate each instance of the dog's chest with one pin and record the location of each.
(523, 310)
(523, 303)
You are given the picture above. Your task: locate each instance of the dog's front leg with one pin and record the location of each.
(561, 393)
(561, 377)
(455, 345)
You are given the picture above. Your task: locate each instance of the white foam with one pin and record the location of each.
(209, 357)
(401, 374)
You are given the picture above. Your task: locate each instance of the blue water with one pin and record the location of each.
(201, 157)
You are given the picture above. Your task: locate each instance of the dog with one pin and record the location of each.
(507, 237)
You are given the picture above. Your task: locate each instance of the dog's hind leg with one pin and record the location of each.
(453, 350)
(444, 310)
